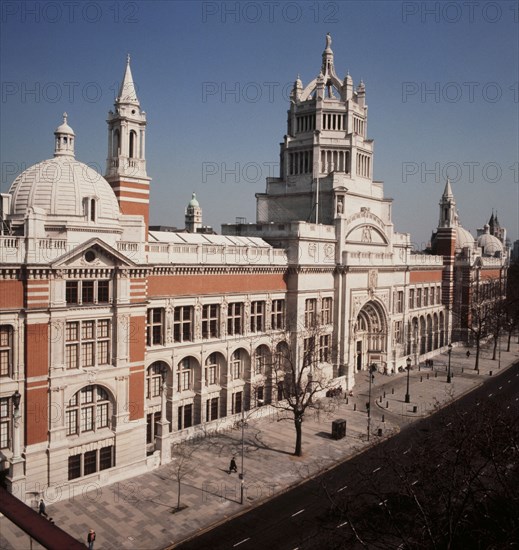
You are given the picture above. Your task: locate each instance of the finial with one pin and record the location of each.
(65, 118)
(127, 58)
(328, 40)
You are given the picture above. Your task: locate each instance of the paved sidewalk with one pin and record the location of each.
(137, 513)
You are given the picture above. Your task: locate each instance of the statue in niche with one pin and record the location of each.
(340, 206)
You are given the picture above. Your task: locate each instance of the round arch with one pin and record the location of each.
(371, 330)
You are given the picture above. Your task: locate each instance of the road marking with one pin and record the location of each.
(342, 489)
(414, 482)
(383, 502)
(300, 512)
(500, 387)
(241, 542)
(477, 404)
(490, 394)
(405, 452)
(342, 524)
(451, 422)
(377, 469)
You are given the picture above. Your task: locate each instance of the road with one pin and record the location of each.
(318, 513)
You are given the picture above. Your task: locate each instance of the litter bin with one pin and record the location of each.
(339, 428)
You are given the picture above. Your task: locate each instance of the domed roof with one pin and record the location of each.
(59, 186)
(64, 128)
(489, 244)
(193, 202)
(464, 238)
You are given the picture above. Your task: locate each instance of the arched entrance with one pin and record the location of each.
(370, 336)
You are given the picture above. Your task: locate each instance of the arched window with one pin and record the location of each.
(211, 370)
(116, 144)
(260, 360)
(88, 411)
(154, 376)
(133, 145)
(184, 375)
(92, 210)
(237, 370)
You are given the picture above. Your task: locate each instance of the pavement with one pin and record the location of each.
(140, 513)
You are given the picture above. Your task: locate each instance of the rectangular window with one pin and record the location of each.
(106, 457)
(398, 332)
(183, 324)
(438, 294)
(310, 312)
(103, 292)
(257, 316)
(326, 311)
(277, 317)
(211, 409)
(237, 402)
(400, 301)
(211, 370)
(324, 348)
(425, 297)
(236, 365)
(74, 466)
(5, 423)
(185, 380)
(87, 419)
(210, 321)
(185, 416)
(87, 292)
(6, 350)
(419, 297)
(90, 463)
(260, 396)
(411, 298)
(308, 351)
(102, 415)
(72, 292)
(72, 424)
(235, 319)
(155, 327)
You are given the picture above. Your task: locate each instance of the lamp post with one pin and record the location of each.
(408, 368)
(449, 351)
(372, 369)
(242, 473)
(163, 393)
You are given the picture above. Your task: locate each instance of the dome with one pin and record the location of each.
(193, 202)
(64, 128)
(490, 244)
(464, 238)
(60, 186)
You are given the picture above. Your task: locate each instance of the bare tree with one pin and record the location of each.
(182, 465)
(299, 372)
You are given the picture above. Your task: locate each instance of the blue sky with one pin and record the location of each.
(441, 85)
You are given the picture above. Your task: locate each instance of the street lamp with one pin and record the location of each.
(242, 474)
(16, 397)
(408, 368)
(449, 351)
(372, 369)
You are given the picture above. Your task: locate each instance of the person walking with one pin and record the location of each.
(42, 509)
(232, 466)
(90, 539)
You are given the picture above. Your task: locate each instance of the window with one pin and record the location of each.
(87, 292)
(310, 312)
(438, 294)
(184, 375)
(398, 332)
(308, 350)
(277, 316)
(324, 348)
(152, 421)
(257, 316)
(6, 350)
(87, 411)
(155, 327)
(5, 422)
(87, 343)
(399, 301)
(211, 409)
(91, 462)
(211, 370)
(326, 311)
(411, 298)
(154, 380)
(210, 321)
(419, 297)
(185, 416)
(183, 324)
(236, 365)
(234, 319)
(425, 296)
(260, 360)
(237, 402)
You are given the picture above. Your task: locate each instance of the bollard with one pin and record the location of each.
(379, 432)
(346, 400)
(380, 400)
(421, 378)
(461, 370)
(387, 404)
(383, 419)
(427, 376)
(490, 373)
(354, 406)
(392, 390)
(384, 394)
(415, 408)
(435, 375)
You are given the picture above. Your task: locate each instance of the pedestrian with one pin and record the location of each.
(232, 465)
(41, 509)
(90, 539)
(468, 354)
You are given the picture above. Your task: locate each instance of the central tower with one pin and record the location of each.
(325, 149)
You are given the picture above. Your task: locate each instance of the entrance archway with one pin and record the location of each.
(370, 336)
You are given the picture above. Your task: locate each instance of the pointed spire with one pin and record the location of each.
(447, 193)
(127, 92)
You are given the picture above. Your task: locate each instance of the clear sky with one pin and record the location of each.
(441, 85)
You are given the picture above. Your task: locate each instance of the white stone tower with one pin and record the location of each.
(193, 215)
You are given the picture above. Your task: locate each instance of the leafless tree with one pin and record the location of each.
(182, 464)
